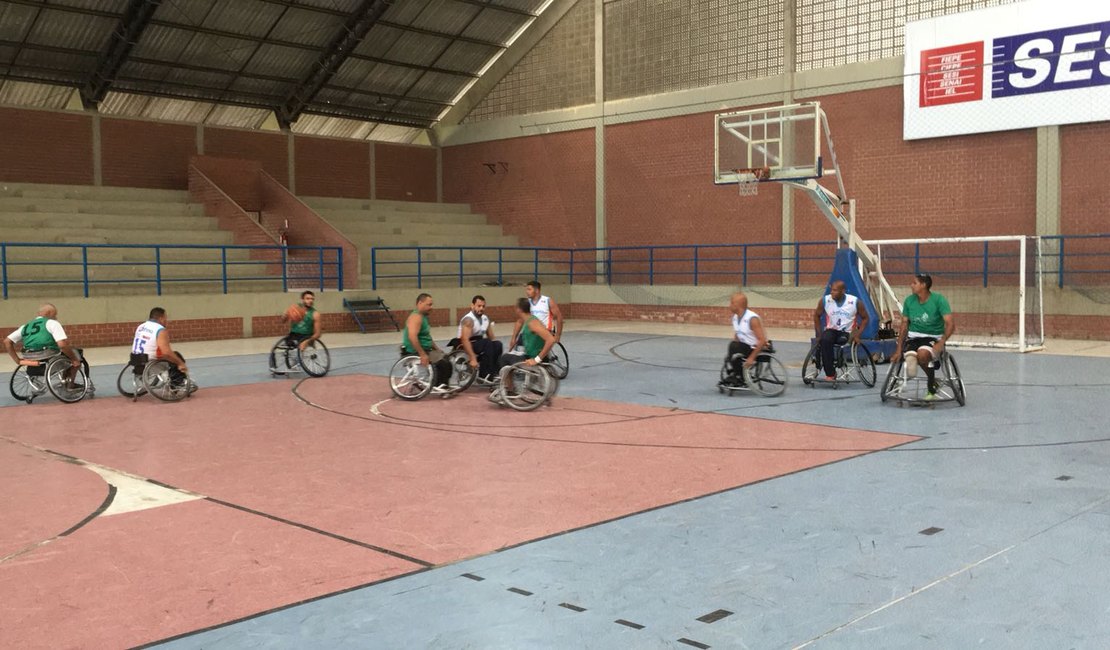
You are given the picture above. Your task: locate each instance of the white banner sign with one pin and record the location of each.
(1011, 67)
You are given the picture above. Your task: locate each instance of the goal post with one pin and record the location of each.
(994, 284)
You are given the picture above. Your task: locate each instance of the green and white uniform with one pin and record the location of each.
(926, 319)
(424, 336)
(39, 334)
(533, 343)
(307, 325)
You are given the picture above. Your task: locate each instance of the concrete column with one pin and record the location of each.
(98, 165)
(789, 64)
(1048, 180)
(600, 231)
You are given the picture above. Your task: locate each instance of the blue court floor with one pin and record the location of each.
(991, 531)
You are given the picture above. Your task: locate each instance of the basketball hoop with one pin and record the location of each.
(748, 179)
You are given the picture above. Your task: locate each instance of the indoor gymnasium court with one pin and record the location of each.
(813, 301)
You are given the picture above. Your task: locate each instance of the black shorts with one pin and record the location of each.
(917, 342)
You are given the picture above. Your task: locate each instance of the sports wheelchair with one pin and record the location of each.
(287, 357)
(853, 363)
(531, 386)
(912, 390)
(557, 359)
(411, 381)
(141, 375)
(47, 374)
(766, 377)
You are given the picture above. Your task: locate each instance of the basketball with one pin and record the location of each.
(295, 313)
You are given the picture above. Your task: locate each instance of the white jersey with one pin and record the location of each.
(146, 339)
(843, 316)
(479, 325)
(541, 309)
(743, 327)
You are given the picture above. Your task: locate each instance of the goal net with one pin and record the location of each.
(993, 284)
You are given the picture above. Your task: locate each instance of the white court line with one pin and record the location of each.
(909, 595)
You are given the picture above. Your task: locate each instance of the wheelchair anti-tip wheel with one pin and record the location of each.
(410, 380)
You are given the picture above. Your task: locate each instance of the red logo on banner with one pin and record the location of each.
(952, 74)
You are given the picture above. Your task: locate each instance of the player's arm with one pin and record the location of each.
(903, 330)
(516, 332)
(166, 351)
(11, 346)
(489, 332)
(548, 341)
(67, 349)
(556, 319)
(949, 328)
(413, 327)
(760, 342)
(467, 331)
(862, 321)
(817, 313)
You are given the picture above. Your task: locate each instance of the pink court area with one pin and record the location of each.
(331, 487)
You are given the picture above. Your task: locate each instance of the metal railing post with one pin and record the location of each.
(339, 268)
(158, 270)
(460, 267)
(374, 268)
(696, 266)
(85, 268)
(570, 271)
(4, 269)
(1060, 266)
(321, 257)
(917, 259)
(500, 267)
(223, 266)
(744, 271)
(986, 261)
(419, 268)
(535, 264)
(609, 266)
(284, 269)
(797, 263)
(651, 265)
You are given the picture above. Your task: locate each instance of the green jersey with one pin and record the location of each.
(306, 326)
(424, 336)
(533, 343)
(926, 317)
(36, 335)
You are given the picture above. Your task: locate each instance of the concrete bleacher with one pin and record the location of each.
(373, 223)
(60, 214)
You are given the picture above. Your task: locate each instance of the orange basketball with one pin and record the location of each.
(295, 313)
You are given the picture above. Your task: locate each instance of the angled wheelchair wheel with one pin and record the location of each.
(410, 380)
(809, 367)
(952, 371)
(558, 361)
(894, 381)
(282, 358)
(129, 383)
(26, 387)
(767, 376)
(63, 388)
(315, 359)
(462, 375)
(531, 386)
(156, 378)
(864, 364)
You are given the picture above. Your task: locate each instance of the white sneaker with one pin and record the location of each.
(911, 365)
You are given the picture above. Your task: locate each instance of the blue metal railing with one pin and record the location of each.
(1071, 256)
(302, 265)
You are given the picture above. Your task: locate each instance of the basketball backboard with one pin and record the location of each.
(784, 139)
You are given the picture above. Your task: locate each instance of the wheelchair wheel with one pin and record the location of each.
(156, 378)
(65, 390)
(954, 378)
(809, 367)
(315, 359)
(531, 387)
(864, 364)
(558, 361)
(462, 375)
(893, 381)
(281, 359)
(410, 380)
(129, 383)
(767, 376)
(25, 387)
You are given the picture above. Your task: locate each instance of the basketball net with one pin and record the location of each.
(747, 180)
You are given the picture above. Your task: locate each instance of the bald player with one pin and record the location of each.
(748, 338)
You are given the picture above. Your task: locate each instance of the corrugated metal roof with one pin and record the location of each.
(409, 59)
(22, 93)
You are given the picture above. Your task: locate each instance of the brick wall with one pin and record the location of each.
(265, 326)
(271, 150)
(231, 217)
(772, 316)
(1084, 191)
(544, 195)
(236, 177)
(306, 228)
(982, 184)
(91, 335)
(136, 153)
(404, 173)
(46, 147)
(341, 168)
